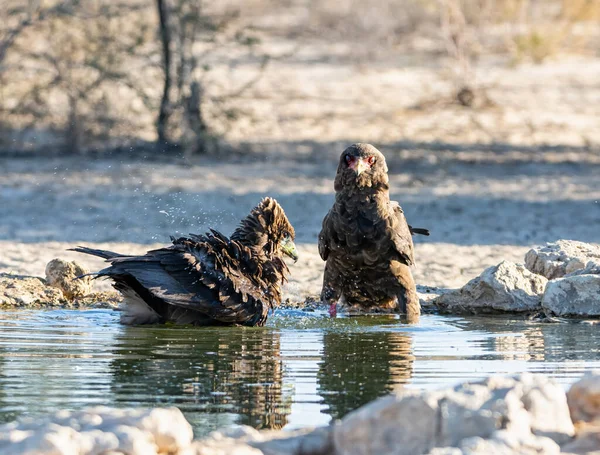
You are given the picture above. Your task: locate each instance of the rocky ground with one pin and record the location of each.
(526, 414)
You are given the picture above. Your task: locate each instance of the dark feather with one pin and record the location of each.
(365, 239)
(204, 279)
(421, 231)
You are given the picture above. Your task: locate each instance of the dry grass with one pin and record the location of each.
(89, 75)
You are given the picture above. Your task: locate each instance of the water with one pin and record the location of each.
(299, 371)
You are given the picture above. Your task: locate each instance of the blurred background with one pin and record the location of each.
(220, 77)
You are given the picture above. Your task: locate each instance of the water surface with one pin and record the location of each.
(301, 370)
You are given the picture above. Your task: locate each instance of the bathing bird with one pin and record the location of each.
(207, 279)
(366, 241)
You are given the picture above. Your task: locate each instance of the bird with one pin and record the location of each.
(207, 279)
(365, 240)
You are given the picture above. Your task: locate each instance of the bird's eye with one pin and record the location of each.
(349, 158)
(286, 235)
(371, 160)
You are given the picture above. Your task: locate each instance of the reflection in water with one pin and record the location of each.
(236, 372)
(50, 359)
(359, 367)
(540, 342)
(295, 373)
(527, 346)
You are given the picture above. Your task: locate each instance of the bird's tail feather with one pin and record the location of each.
(100, 253)
(422, 231)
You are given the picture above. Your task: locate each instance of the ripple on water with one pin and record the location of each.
(301, 370)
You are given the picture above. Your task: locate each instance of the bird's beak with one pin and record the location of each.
(359, 166)
(289, 248)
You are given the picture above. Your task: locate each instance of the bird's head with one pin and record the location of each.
(268, 229)
(361, 165)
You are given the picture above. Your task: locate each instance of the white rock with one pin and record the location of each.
(395, 425)
(244, 440)
(169, 427)
(98, 431)
(506, 287)
(587, 442)
(591, 268)
(63, 275)
(558, 259)
(584, 398)
(573, 296)
(505, 443)
(546, 404)
(526, 410)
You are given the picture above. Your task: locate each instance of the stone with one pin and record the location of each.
(22, 291)
(244, 440)
(169, 428)
(584, 398)
(64, 275)
(525, 410)
(560, 258)
(591, 268)
(506, 287)
(99, 430)
(505, 443)
(573, 296)
(587, 442)
(546, 404)
(396, 424)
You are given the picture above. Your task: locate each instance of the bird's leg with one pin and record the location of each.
(329, 294)
(332, 310)
(408, 299)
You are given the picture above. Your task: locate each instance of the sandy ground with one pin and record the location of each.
(481, 206)
(489, 182)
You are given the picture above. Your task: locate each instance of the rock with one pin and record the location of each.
(62, 275)
(502, 444)
(20, 291)
(17, 291)
(587, 442)
(506, 287)
(243, 440)
(99, 430)
(507, 410)
(591, 268)
(396, 424)
(558, 259)
(584, 398)
(98, 300)
(573, 296)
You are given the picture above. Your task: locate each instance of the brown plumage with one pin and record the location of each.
(207, 279)
(365, 240)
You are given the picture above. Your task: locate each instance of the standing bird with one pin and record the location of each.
(365, 240)
(207, 279)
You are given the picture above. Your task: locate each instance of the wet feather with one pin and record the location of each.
(208, 279)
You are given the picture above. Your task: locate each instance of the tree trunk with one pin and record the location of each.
(194, 120)
(165, 103)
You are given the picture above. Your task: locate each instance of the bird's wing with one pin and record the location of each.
(400, 234)
(324, 237)
(205, 276)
